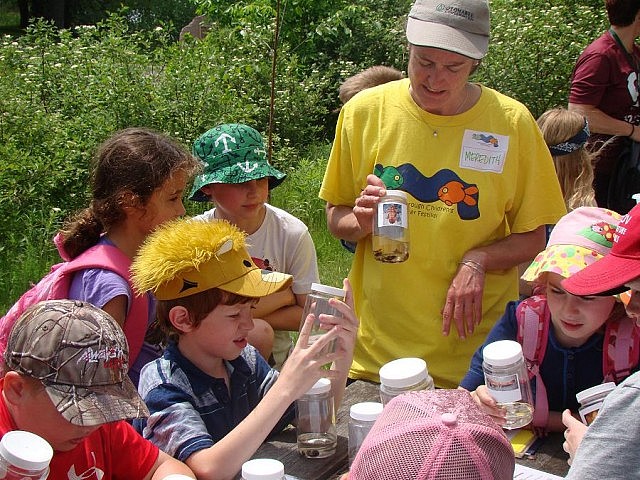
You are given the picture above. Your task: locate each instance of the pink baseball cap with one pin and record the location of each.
(579, 239)
(620, 266)
(434, 435)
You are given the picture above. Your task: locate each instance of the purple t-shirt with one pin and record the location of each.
(99, 286)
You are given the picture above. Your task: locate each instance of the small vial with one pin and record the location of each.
(403, 375)
(591, 400)
(507, 379)
(390, 239)
(24, 456)
(362, 416)
(316, 421)
(263, 469)
(317, 303)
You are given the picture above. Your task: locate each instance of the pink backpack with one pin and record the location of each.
(621, 348)
(55, 285)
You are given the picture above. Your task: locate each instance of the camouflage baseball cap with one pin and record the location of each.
(80, 354)
(232, 153)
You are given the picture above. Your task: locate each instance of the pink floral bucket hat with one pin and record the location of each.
(579, 239)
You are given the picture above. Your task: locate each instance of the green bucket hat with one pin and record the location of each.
(232, 153)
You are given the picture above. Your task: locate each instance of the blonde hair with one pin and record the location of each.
(370, 77)
(575, 169)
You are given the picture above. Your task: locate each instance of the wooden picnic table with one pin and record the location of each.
(550, 457)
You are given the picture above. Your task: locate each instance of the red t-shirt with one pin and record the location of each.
(115, 451)
(605, 78)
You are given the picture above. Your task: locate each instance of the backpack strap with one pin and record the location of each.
(112, 258)
(621, 348)
(533, 317)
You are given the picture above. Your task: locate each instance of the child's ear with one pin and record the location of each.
(14, 387)
(180, 319)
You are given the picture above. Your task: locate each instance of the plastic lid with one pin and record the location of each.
(336, 292)
(502, 353)
(26, 450)
(321, 386)
(599, 390)
(403, 372)
(365, 411)
(177, 476)
(262, 469)
(398, 193)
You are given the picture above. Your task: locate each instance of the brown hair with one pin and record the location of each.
(198, 305)
(133, 162)
(622, 13)
(575, 169)
(370, 77)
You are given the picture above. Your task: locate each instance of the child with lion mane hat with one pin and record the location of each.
(213, 399)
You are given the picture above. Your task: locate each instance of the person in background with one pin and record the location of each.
(237, 178)
(367, 78)
(565, 133)
(608, 447)
(604, 89)
(572, 357)
(474, 165)
(137, 183)
(213, 398)
(66, 381)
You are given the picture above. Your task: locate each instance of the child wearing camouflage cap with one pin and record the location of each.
(213, 398)
(237, 178)
(66, 380)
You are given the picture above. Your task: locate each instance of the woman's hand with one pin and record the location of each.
(364, 207)
(463, 304)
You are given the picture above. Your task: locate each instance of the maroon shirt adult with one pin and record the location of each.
(605, 78)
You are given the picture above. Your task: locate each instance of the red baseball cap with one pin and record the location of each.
(621, 265)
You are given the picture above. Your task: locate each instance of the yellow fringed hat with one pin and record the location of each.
(185, 256)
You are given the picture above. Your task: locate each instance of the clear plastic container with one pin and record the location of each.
(403, 375)
(591, 400)
(263, 469)
(24, 456)
(316, 421)
(390, 239)
(362, 416)
(317, 303)
(507, 379)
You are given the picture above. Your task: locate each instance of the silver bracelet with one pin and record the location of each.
(474, 266)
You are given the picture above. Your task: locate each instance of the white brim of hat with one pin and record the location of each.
(606, 276)
(99, 404)
(436, 35)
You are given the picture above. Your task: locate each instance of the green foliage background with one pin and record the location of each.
(63, 92)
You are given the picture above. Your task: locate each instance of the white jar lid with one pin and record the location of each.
(365, 411)
(321, 386)
(502, 352)
(403, 372)
(262, 469)
(326, 289)
(599, 390)
(26, 450)
(398, 193)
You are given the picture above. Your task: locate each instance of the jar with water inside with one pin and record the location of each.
(316, 422)
(263, 469)
(403, 375)
(390, 239)
(362, 416)
(507, 379)
(24, 456)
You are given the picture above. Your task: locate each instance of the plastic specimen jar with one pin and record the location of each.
(317, 303)
(390, 239)
(24, 456)
(403, 375)
(591, 400)
(263, 469)
(316, 421)
(362, 416)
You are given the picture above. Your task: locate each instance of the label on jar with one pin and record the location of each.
(503, 388)
(392, 214)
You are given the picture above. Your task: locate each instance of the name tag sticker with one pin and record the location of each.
(483, 151)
